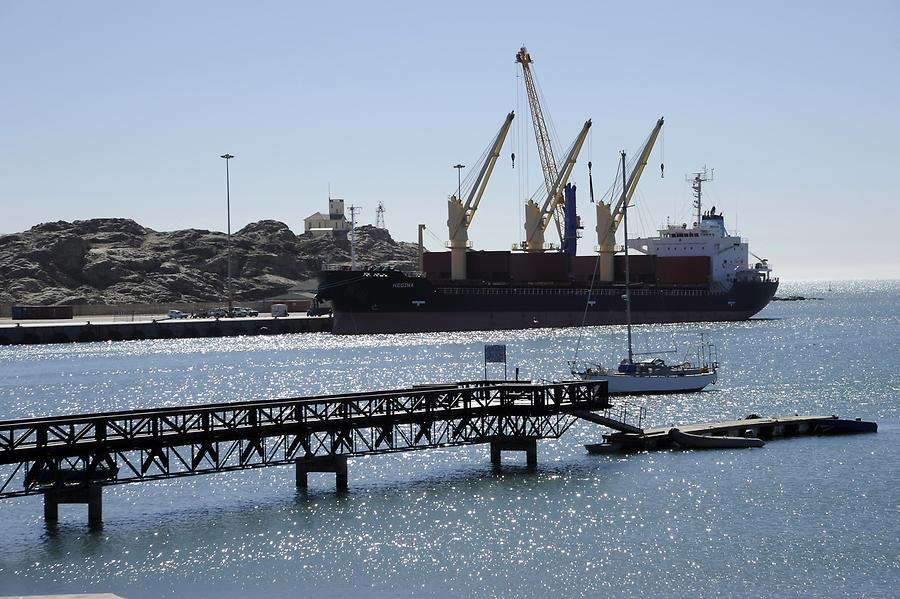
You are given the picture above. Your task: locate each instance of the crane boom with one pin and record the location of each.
(609, 217)
(537, 218)
(460, 215)
(484, 175)
(541, 133)
(630, 187)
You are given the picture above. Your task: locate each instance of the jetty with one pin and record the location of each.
(69, 459)
(753, 427)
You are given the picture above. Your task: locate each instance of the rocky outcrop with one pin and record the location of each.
(117, 261)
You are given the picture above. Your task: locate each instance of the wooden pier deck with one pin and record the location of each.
(763, 428)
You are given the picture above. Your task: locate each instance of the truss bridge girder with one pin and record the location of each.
(40, 455)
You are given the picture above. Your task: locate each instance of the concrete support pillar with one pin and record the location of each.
(51, 508)
(526, 444)
(336, 464)
(91, 494)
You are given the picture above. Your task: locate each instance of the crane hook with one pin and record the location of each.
(514, 160)
(591, 181)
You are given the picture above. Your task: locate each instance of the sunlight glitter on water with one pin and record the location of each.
(810, 516)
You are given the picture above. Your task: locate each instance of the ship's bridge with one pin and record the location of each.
(710, 221)
(727, 253)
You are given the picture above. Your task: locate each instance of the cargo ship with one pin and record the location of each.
(685, 274)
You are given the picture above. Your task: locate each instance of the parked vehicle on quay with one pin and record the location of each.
(176, 314)
(317, 309)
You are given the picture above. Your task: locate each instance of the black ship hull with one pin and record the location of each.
(392, 302)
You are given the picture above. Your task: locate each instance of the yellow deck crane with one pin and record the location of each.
(609, 217)
(538, 217)
(460, 215)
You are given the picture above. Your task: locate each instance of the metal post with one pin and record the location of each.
(353, 211)
(227, 158)
(459, 168)
(421, 249)
(627, 268)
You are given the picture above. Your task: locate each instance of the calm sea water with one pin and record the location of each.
(800, 517)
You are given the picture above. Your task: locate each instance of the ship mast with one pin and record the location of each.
(627, 267)
(697, 182)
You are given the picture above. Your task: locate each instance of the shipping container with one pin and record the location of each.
(583, 266)
(41, 312)
(543, 268)
(487, 266)
(682, 270)
(642, 267)
(436, 265)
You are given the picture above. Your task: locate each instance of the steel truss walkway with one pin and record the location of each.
(69, 458)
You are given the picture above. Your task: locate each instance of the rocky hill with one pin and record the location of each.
(117, 261)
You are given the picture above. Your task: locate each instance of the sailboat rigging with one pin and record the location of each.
(650, 375)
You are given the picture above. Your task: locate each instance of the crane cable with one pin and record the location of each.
(590, 159)
(436, 238)
(662, 154)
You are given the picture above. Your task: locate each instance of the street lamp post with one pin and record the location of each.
(459, 168)
(227, 158)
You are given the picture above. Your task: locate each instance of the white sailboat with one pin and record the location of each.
(650, 375)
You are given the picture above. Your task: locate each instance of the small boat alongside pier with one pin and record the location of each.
(714, 433)
(692, 441)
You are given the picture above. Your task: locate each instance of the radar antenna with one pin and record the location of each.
(697, 180)
(353, 211)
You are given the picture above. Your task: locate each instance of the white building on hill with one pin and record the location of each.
(328, 224)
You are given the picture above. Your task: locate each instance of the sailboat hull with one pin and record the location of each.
(628, 384)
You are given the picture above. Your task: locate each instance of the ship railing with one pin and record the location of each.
(335, 266)
(370, 267)
(627, 412)
(565, 291)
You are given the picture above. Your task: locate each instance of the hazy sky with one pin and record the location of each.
(121, 109)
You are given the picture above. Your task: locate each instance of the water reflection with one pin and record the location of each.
(811, 514)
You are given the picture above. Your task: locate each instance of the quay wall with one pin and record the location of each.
(69, 332)
(128, 309)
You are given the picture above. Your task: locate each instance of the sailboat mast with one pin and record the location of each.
(627, 266)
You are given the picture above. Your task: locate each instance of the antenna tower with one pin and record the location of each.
(697, 180)
(353, 211)
(379, 216)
